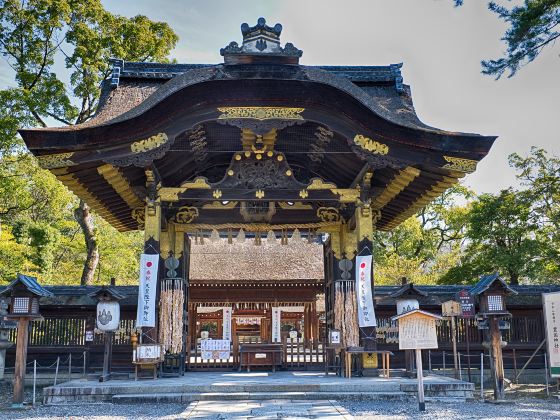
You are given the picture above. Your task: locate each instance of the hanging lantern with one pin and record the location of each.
(108, 315)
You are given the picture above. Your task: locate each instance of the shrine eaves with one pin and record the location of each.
(258, 139)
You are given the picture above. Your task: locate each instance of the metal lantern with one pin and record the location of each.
(24, 293)
(407, 297)
(492, 291)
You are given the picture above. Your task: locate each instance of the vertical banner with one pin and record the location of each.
(146, 311)
(276, 335)
(226, 323)
(364, 296)
(551, 309)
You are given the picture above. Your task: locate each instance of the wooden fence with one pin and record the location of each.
(61, 336)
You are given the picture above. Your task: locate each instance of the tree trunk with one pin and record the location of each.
(84, 219)
(514, 278)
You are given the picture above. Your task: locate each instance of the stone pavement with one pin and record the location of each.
(266, 409)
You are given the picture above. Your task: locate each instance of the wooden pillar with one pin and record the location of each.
(152, 234)
(364, 238)
(107, 356)
(496, 354)
(306, 322)
(21, 360)
(314, 322)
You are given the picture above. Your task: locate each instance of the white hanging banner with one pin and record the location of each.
(226, 323)
(146, 311)
(364, 296)
(276, 336)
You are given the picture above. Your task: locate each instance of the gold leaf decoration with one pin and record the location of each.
(460, 164)
(186, 214)
(259, 194)
(328, 214)
(319, 184)
(371, 145)
(347, 195)
(139, 214)
(303, 194)
(217, 193)
(58, 160)
(200, 183)
(261, 113)
(148, 144)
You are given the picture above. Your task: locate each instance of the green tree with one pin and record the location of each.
(540, 174)
(426, 246)
(502, 236)
(80, 35)
(532, 26)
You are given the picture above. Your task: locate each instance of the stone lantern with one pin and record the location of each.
(24, 293)
(107, 320)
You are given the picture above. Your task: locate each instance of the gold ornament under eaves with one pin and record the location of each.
(328, 214)
(261, 113)
(148, 144)
(371, 145)
(347, 195)
(186, 215)
(319, 184)
(460, 164)
(58, 160)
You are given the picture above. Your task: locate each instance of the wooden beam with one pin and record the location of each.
(72, 182)
(401, 180)
(120, 184)
(420, 202)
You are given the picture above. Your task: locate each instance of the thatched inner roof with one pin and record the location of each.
(219, 260)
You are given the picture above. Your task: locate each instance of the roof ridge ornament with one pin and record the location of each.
(261, 44)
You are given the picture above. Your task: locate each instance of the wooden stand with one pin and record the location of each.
(496, 356)
(384, 360)
(454, 343)
(107, 355)
(420, 375)
(21, 361)
(147, 365)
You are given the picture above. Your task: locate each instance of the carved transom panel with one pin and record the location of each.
(259, 171)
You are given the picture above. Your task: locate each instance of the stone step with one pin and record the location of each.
(136, 388)
(248, 396)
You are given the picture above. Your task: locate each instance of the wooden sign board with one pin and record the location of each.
(417, 331)
(467, 304)
(551, 305)
(451, 308)
(148, 353)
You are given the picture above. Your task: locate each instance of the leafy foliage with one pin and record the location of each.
(37, 214)
(424, 247)
(532, 26)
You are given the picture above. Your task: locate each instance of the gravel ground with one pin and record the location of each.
(520, 409)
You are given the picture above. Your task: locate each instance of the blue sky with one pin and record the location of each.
(441, 47)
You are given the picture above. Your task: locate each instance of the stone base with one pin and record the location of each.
(210, 386)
